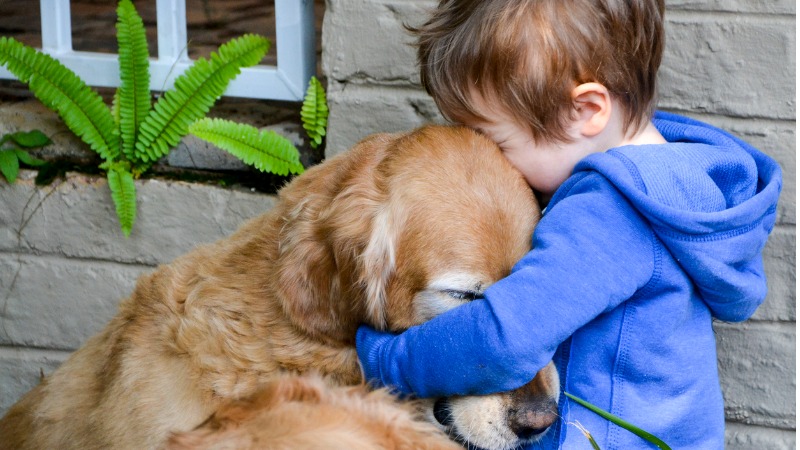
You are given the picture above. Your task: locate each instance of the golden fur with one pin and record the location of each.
(361, 238)
(303, 412)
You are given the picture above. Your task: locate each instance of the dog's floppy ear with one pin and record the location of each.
(336, 245)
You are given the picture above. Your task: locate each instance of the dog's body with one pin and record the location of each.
(305, 413)
(384, 234)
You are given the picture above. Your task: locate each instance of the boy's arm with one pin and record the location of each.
(592, 251)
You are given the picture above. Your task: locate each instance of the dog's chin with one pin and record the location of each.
(486, 435)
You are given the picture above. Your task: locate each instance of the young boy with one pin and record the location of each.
(652, 227)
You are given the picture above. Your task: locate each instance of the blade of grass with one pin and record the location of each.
(586, 433)
(618, 421)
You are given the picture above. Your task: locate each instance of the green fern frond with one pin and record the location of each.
(123, 192)
(81, 108)
(195, 91)
(265, 150)
(115, 107)
(314, 113)
(134, 73)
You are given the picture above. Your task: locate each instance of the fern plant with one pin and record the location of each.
(133, 134)
(314, 113)
(266, 150)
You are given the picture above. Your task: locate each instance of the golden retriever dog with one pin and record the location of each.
(305, 413)
(391, 233)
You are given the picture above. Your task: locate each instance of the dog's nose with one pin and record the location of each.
(529, 422)
(442, 412)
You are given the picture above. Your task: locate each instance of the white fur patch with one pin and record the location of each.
(379, 257)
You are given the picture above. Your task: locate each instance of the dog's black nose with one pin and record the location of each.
(442, 412)
(525, 433)
(529, 422)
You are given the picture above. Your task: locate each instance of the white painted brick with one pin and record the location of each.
(757, 372)
(364, 41)
(746, 437)
(21, 370)
(730, 65)
(739, 6)
(780, 267)
(358, 111)
(58, 303)
(77, 218)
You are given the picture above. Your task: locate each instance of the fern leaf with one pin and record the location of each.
(134, 72)
(267, 151)
(195, 91)
(123, 192)
(115, 107)
(314, 113)
(81, 108)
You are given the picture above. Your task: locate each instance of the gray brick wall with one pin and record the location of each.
(64, 264)
(728, 62)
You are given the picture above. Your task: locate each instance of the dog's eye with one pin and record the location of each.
(466, 296)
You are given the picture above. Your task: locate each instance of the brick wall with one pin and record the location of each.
(730, 63)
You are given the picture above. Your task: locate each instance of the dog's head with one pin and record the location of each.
(405, 227)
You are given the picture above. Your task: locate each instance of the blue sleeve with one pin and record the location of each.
(591, 251)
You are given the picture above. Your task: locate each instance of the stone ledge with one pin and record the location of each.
(75, 218)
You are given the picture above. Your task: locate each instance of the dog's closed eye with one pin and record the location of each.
(466, 296)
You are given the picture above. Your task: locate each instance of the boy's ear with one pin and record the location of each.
(592, 107)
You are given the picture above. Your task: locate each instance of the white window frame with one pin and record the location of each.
(295, 40)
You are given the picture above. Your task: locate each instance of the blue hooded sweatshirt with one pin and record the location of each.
(636, 253)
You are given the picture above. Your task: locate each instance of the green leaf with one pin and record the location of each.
(123, 192)
(81, 108)
(115, 107)
(314, 113)
(26, 158)
(9, 165)
(195, 91)
(620, 422)
(265, 150)
(28, 139)
(134, 69)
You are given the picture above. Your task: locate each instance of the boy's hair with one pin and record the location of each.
(528, 55)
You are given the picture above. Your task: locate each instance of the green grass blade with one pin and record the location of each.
(134, 69)
(81, 108)
(123, 192)
(265, 150)
(314, 113)
(195, 91)
(620, 422)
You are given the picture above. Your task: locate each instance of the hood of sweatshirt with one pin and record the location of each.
(711, 199)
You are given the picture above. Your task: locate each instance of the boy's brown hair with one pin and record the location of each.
(528, 55)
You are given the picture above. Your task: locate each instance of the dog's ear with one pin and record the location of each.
(336, 246)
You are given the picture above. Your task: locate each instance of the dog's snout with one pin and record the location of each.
(527, 423)
(530, 421)
(442, 412)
